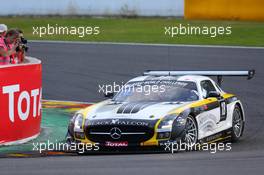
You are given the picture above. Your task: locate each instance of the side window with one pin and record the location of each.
(207, 86)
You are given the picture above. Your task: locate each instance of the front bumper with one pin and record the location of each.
(132, 133)
(152, 142)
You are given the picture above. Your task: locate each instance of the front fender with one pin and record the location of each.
(178, 130)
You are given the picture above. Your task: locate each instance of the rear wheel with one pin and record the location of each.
(237, 124)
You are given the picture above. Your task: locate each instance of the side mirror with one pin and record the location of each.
(213, 94)
(109, 94)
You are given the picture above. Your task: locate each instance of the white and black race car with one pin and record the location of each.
(161, 107)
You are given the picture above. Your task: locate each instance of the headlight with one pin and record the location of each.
(78, 121)
(167, 121)
(180, 121)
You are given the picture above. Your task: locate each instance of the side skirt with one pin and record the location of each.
(220, 136)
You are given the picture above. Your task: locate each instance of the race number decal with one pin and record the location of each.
(223, 110)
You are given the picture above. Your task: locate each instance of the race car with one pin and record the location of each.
(162, 107)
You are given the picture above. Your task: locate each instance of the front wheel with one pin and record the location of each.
(237, 124)
(191, 131)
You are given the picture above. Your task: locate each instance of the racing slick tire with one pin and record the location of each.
(191, 132)
(237, 124)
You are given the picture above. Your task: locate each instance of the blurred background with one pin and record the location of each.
(141, 21)
(189, 9)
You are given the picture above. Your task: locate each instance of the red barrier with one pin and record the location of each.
(20, 101)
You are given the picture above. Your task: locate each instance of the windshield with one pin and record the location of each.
(158, 91)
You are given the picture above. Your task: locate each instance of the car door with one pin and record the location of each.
(210, 119)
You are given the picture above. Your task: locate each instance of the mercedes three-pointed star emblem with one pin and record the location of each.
(115, 133)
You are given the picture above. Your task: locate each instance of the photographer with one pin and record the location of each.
(21, 48)
(8, 45)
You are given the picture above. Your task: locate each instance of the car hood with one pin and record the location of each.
(145, 111)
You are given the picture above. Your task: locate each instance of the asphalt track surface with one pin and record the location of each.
(73, 72)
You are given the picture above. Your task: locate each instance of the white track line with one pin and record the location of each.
(144, 44)
(17, 142)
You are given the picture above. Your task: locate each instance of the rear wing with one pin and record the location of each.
(219, 74)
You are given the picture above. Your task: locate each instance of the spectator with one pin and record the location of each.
(3, 30)
(8, 46)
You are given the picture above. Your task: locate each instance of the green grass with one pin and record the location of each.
(142, 30)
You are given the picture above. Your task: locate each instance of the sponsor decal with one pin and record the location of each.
(28, 97)
(118, 122)
(20, 97)
(213, 137)
(116, 144)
